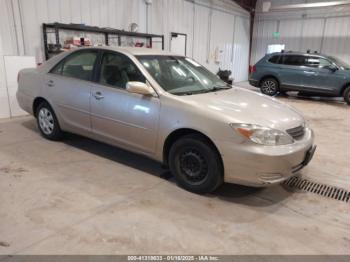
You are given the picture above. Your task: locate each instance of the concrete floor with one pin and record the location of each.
(83, 197)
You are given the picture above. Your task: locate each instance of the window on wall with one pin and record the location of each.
(275, 48)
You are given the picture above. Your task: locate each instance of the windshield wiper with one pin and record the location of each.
(219, 88)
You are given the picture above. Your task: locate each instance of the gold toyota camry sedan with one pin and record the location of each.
(171, 109)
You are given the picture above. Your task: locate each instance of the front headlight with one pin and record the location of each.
(263, 135)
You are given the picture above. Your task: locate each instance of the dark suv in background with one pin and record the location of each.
(311, 74)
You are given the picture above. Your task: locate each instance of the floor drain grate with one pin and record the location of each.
(317, 188)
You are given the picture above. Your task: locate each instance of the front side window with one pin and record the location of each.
(79, 65)
(181, 75)
(117, 70)
(317, 62)
(293, 60)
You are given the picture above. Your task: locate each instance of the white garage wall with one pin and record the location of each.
(208, 24)
(325, 30)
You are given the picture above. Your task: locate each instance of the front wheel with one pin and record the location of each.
(47, 122)
(347, 95)
(196, 164)
(269, 86)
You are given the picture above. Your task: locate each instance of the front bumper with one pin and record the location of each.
(256, 165)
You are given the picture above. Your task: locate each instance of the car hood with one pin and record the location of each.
(239, 105)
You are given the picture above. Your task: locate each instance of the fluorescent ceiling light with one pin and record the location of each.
(309, 5)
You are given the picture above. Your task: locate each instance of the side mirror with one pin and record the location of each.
(139, 88)
(331, 68)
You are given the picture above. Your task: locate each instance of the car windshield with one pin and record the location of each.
(340, 63)
(181, 75)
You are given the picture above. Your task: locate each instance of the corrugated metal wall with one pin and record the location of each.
(209, 24)
(323, 30)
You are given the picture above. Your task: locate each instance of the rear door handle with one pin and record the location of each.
(98, 95)
(50, 83)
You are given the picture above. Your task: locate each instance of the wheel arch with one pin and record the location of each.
(179, 133)
(37, 101)
(345, 86)
(270, 76)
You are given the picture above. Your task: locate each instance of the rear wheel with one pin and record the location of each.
(196, 164)
(346, 95)
(269, 86)
(47, 122)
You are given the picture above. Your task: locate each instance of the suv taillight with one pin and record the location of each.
(253, 69)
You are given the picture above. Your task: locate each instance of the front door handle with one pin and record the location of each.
(98, 95)
(309, 72)
(50, 83)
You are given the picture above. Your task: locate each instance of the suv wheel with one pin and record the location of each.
(346, 95)
(47, 122)
(269, 86)
(195, 164)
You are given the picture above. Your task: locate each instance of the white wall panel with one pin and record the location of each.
(221, 40)
(290, 32)
(311, 36)
(337, 37)
(201, 34)
(241, 49)
(262, 37)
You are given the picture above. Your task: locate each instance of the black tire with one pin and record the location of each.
(269, 86)
(47, 122)
(346, 95)
(196, 164)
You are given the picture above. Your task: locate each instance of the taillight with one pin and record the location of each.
(253, 69)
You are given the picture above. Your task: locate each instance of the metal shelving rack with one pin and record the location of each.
(57, 27)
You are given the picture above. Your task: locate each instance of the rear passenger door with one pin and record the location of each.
(291, 71)
(69, 88)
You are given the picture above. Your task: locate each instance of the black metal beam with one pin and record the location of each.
(248, 5)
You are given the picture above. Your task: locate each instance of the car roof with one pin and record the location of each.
(298, 53)
(136, 50)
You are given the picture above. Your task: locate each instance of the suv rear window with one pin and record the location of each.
(275, 59)
(294, 60)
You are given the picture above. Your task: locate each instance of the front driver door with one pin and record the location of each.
(129, 120)
(318, 77)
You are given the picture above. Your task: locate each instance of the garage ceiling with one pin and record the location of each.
(248, 5)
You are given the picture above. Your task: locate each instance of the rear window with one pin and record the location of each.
(275, 59)
(294, 60)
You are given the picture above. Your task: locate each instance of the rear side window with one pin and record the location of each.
(275, 59)
(294, 60)
(79, 65)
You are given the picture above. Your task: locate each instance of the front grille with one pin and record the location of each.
(296, 132)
